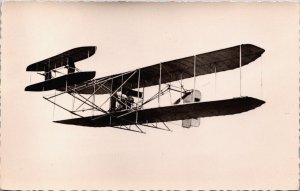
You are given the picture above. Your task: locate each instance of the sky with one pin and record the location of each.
(253, 150)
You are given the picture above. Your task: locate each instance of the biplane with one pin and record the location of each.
(125, 92)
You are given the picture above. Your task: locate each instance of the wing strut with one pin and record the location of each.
(240, 70)
(115, 91)
(159, 85)
(137, 108)
(195, 60)
(261, 79)
(215, 81)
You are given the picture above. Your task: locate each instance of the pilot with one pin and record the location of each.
(129, 101)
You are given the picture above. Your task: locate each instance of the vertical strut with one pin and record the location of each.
(137, 107)
(159, 85)
(240, 70)
(73, 98)
(143, 96)
(195, 60)
(110, 105)
(181, 94)
(122, 87)
(111, 90)
(215, 81)
(139, 78)
(261, 80)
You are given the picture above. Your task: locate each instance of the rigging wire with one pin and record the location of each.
(215, 81)
(179, 81)
(156, 95)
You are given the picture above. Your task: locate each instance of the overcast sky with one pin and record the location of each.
(252, 150)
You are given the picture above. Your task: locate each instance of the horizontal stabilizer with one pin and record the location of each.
(62, 81)
(63, 59)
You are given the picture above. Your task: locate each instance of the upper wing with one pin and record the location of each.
(76, 54)
(170, 113)
(207, 63)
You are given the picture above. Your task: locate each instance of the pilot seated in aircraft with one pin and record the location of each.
(129, 102)
(126, 103)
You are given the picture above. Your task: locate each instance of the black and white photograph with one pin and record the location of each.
(143, 96)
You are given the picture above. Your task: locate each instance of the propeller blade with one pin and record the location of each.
(182, 97)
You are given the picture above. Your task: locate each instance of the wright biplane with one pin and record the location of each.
(125, 92)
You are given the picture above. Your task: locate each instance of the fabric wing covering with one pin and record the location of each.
(169, 113)
(207, 63)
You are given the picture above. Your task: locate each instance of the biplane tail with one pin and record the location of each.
(66, 59)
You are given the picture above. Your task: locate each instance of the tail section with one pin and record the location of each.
(66, 59)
